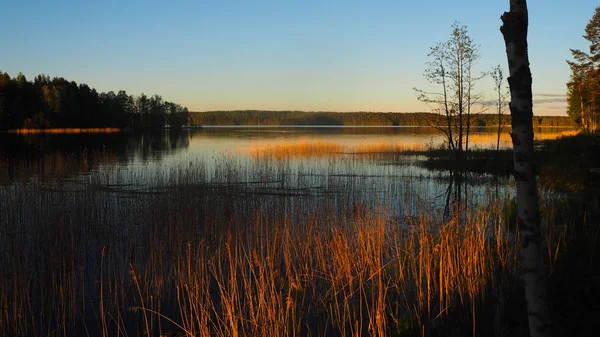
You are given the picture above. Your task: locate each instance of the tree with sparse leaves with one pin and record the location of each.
(500, 89)
(451, 69)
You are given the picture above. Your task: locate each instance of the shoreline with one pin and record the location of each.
(196, 127)
(65, 130)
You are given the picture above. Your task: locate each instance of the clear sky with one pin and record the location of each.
(301, 55)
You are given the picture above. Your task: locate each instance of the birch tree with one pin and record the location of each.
(451, 70)
(514, 29)
(499, 88)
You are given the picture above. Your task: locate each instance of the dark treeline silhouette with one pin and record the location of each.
(59, 103)
(258, 117)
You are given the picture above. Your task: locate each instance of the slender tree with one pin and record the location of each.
(451, 69)
(498, 76)
(514, 29)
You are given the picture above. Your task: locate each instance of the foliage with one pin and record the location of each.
(306, 118)
(451, 70)
(59, 103)
(584, 87)
(502, 91)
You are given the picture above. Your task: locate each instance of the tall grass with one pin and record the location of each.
(232, 250)
(194, 258)
(489, 139)
(283, 149)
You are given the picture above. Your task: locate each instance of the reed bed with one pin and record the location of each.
(103, 256)
(304, 148)
(261, 248)
(299, 148)
(489, 140)
(307, 148)
(383, 146)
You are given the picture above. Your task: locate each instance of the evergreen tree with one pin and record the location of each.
(59, 103)
(584, 87)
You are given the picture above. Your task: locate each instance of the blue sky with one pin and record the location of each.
(301, 55)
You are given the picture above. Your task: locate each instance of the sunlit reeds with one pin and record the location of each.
(300, 148)
(306, 148)
(489, 140)
(383, 147)
(243, 248)
(202, 259)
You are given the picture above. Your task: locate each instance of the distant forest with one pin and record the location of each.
(257, 117)
(59, 103)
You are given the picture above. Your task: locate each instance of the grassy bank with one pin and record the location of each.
(567, 164)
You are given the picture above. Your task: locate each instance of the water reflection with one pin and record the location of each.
(309, 150)
(58, 155)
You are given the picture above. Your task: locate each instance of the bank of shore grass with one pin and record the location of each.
(100, 256)
(568, 163)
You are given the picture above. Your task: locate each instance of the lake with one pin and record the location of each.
(295, 151)
(198, 228)
(306, 162)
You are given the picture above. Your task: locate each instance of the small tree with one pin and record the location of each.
(500, 89)
(451, 68)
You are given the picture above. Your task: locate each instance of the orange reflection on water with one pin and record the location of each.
(306, 147)
(66, 130)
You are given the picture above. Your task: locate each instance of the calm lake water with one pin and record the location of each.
(89, 212)
(292, 161)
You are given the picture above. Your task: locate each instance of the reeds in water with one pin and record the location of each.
(196, 260)
(189, 255)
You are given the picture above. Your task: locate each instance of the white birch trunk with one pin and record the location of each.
(514, 29)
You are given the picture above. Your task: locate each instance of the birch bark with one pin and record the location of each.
(514, 30)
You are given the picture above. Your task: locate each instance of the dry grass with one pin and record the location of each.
(300, 148)
(243, 253)
(307, 148)
(489, 140)
(304, 148)
(384, 146)
(197, 259)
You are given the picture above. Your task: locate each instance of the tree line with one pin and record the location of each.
(583, 90)
(305, 118)
(58, 103)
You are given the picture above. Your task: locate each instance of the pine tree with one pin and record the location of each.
(584, 87)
